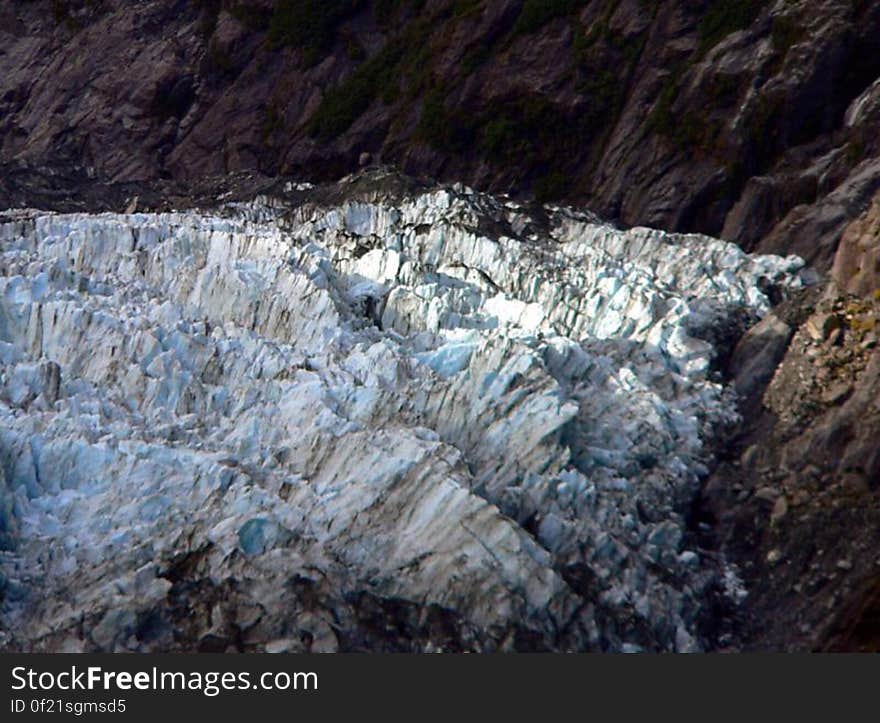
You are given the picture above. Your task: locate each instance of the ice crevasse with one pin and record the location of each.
(429, 421)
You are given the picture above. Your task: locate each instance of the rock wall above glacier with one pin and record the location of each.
(435, 421)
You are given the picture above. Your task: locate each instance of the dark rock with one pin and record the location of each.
(836, 393)
(821, 326)
(818, 418)
(758, 354)
(857, 263)
(762, 130)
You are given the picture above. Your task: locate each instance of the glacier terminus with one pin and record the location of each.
(427, 420)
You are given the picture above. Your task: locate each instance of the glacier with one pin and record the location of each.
(436, 420)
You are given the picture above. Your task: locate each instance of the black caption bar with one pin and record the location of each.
(390, 687)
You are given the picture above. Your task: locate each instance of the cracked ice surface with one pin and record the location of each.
(331, 428)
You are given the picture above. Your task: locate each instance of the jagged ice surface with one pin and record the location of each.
(415, 423)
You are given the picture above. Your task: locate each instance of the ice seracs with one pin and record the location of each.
(289, 427)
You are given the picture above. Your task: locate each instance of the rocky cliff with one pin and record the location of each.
(754, 121)
(795, 498)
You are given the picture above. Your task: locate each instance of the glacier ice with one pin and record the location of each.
(269, 426)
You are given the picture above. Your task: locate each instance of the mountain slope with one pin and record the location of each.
(754, 121)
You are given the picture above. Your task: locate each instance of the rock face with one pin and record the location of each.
(795, 500)
(753, 121)
(857, 263)
(404, 421)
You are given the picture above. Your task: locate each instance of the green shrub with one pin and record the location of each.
(343, 104)
(687, 131)
(465, 7)
(60, 11)
(209, 10)
(605, 90)
(61, 15)
(445, 130)
(724, 17)
(475, 58)
(254, 17)
(552, 187)
(273, 121)
(662, 119)
(219, 59)
(535, 14)
(405, 57)
(762, 128)
(172, 99)
(785, 32)
(309, 25)
(386, 10)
